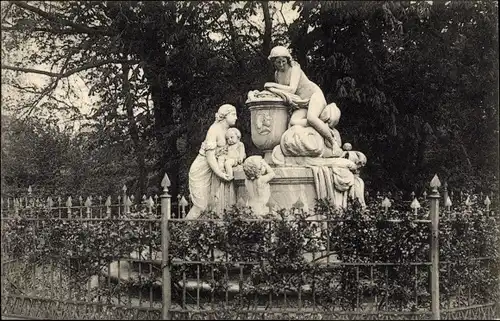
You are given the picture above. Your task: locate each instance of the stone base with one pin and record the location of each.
(290, 185)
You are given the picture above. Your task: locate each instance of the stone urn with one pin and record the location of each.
(269, 120)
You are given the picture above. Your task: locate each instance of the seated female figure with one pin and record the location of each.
(291, 79)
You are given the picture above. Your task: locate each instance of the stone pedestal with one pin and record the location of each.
(288, 186)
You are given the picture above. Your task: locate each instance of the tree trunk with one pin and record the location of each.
(301, 52)
(233, 37)
(268, 27)
(163, 115)
(140, 154)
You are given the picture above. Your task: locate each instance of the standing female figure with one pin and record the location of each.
(291, 79)
(205, 176)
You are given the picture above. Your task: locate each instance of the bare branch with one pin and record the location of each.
(7, 11)
(46, 91)
(283, 16)
(61, 20)
(234, 37)
(29, 70)
(49, 30)
(257, 28)
(32, 90)
(72, 71)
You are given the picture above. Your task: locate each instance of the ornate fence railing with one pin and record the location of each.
(95, 259)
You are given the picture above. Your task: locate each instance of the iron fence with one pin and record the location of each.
(137, 271)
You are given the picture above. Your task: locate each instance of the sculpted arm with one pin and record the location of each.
(211, 140)
(294, 81)
(269, 174)
(242, 152)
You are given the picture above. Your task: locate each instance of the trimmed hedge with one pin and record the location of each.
(278, 254)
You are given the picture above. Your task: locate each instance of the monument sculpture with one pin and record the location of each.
(305, 150)
(304, 158)
(258, 174)
(209, 185)
(235, 152)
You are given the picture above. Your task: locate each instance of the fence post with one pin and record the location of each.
(125, 204)
(434, 199)
(165, 238)
(445, 191)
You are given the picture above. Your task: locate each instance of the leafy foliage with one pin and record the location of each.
(377, 253)
(416, 80)
(185, 59)
(55, 161)
(412, 79)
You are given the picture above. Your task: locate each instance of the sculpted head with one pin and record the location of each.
(233, 135)
(226, 112)
(253, 167)
(280, 57)
(330, 115)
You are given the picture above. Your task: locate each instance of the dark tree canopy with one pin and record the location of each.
(417, 83)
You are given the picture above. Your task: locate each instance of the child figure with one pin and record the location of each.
(258, 174)
(235, 152)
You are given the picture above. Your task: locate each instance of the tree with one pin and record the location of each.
(187, 58)
(55, 160)
(410, 81)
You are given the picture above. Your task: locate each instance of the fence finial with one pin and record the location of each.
(487, 202)
(386, 203)
(68, 205)
(88, 204)
(128, 203)
(415, 205)
(435, 183)
(30, 190)
(50, 203)
(108, 206)
(468, 203)
(165, 183)
(150, 203)
(183, 203)
(448, 203)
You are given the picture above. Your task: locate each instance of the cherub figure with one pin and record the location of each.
(258, 174)
(235, 152)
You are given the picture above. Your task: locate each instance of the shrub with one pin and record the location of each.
(273, 256)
